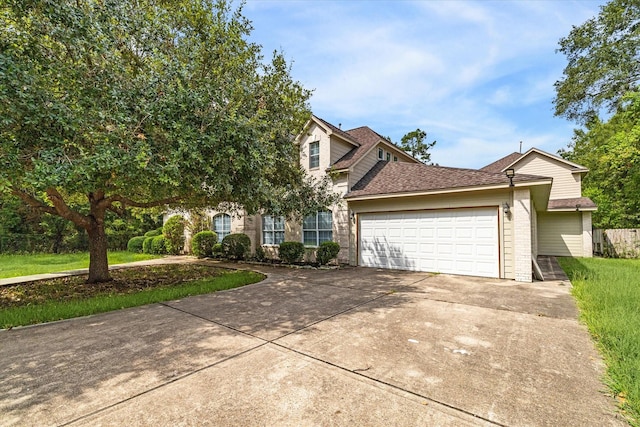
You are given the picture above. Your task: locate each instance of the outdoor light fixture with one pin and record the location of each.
(578, 208)
(506, 208)
(510, 174)
(352, 216)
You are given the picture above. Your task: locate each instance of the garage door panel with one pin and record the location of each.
(461, 241)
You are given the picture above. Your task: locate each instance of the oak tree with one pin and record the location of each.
(112, 104)
(603, 63)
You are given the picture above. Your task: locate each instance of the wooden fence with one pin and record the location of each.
(618, 243)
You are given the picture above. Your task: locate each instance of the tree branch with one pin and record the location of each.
(64, 211)
(108, 202)
(33, 202)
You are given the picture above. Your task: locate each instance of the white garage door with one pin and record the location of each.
(461, 241)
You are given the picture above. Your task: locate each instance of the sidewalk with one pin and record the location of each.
(24, 279)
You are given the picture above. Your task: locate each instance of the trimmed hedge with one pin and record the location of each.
(173, 232)
(135, 244)
(236, 245)
(158, 245)
(202, 244)
(153, 233)
(146, 245)
(326, 252)
(291, 252)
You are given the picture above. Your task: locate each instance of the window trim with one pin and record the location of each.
(213, 225)
(317, 230)
(388, 156)
(273, 230)
(380, 154)
(314, 157)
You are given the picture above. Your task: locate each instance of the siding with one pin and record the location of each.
(339, 149)
(560, 234)
(565, 184)
(363, 166)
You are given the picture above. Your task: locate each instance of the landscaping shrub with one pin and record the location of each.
(158, 245)
(291, 252)
(260, 255)
(202, 244)
(153, 233)
(236, 245)
(135, 244)
(146, 245)
(217, 249)
(327, 251)
(173, 232)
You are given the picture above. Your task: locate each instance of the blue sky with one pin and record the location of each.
(477, 76)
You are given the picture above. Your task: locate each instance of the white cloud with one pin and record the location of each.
(477, 76)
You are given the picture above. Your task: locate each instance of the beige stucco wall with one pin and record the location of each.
(315, 133)
(565, 184)
(495, 199)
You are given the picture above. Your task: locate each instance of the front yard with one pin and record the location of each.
(608, 295)
(12, 265)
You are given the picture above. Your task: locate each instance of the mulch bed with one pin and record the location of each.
(125, 281)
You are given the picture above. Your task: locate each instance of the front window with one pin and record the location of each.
(388, 157)
(314, 154)
(272, 230)
(380, 153)
(317, 228)
(222, 225)
(395, 158)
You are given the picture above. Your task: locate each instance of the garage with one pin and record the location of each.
(453, 241)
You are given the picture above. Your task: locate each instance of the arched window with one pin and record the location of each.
(272, 230)
(317, 228)
(222, 225)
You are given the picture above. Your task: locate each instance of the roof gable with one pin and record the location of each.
(512, 159)
(330, 129)
(402, 177)
(368, 139)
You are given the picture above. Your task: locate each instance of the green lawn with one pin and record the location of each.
(62, 308)
(608, 295)
(24, 265)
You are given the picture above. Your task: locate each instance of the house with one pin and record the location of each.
(399, 213)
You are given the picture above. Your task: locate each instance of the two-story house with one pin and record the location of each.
(399, 213)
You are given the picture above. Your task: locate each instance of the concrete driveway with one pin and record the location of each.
(354, 346)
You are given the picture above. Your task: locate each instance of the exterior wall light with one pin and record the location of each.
(506, 208)
(510, 173)
(352, 215)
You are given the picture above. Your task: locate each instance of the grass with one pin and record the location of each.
(25, 265)
(608, 295)
(65, 298)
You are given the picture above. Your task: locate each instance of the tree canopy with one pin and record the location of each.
(611, 152)
(106, 105)
(603, 56)
(602, 78)
(414, 143)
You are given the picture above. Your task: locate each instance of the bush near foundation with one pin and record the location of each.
(291, 252)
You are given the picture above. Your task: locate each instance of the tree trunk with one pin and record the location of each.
(98, 264)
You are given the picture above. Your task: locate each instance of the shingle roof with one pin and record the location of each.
(499, 165)
(367, 138)
(401, 177)
(563, 204)
(337, 130)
